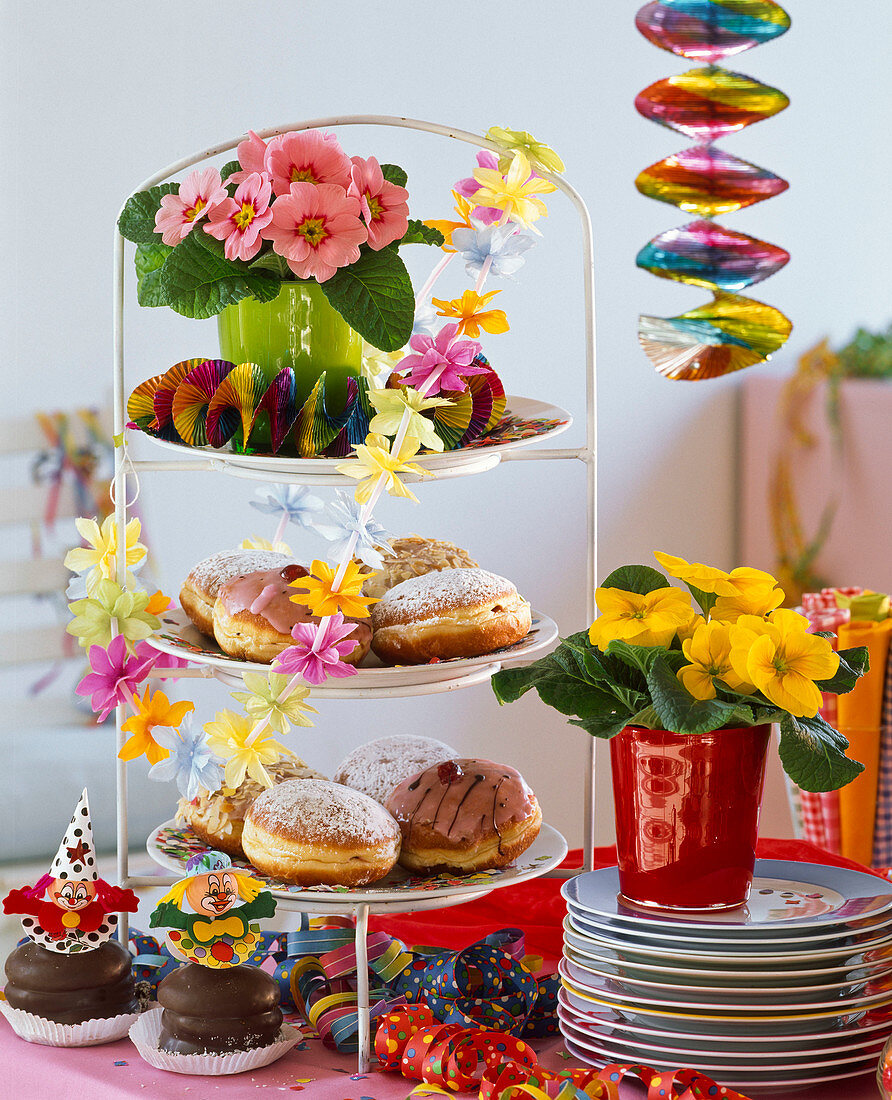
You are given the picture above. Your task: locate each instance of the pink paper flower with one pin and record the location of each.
(469, 186)
(317, 229)
(251, 155)
(115, 676)
(306, 156)
(441, 362)
(199, 193)
(319, 650)
(385, 206)
(239, 220)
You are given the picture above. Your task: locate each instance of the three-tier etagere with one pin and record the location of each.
(361, 903)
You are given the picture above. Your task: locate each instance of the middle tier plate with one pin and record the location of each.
(172, 846)
(180, 638)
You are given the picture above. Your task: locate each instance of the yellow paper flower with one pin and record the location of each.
(376, 363)
(709, 651)
(257, 543)
(158, 603)
(263, 701)
(394, 405)
(463, 208)
(152, 710)
(514, 193)
(374, 460)
(538, 153)
(227, 737)
(472, 314)
(321, 598)
(102, 559)
(110, 606)
(650, 620)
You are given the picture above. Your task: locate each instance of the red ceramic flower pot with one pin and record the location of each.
(687, 815)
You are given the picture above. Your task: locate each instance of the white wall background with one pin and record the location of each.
(97, 96)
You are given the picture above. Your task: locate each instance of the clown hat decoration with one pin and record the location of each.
(210, 912)
(71, 909)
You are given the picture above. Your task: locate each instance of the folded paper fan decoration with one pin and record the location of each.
(706, 104)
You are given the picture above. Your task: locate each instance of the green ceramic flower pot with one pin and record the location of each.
(297, 329)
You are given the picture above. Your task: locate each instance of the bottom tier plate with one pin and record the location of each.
(172, 847)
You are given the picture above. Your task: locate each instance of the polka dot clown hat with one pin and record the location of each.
(76, 858)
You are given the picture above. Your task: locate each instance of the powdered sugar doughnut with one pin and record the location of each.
(377, 767)
(452, 613)
(199, 591)
(312, 832)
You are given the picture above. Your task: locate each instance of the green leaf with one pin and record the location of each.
(374, 296)
(853, 663)
(137, 220)
(635, 578)
(813, 754)
(198, 283)
(604, 726)
(231, 166)
(271, 261)
(677, 709)
(646, 718)
(635, 656)
(149, 260)
(706, 600)
(394, 174)
(419, 233)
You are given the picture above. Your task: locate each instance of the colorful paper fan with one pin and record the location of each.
(164, 394)
(234, 403)
(726, 335)
(705, 254)
(315, 428)
(141, 403)
(709, 30)
(706, 104)
(708, 181)
(193, 396)
(278, 405)
(356, 427)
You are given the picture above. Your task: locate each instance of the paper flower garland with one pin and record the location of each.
(731, 332)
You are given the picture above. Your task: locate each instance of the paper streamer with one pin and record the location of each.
(706, 104)
(210, 402)
(447, 1059)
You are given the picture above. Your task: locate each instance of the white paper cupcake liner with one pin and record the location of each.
(91, 1033)
(145, 1035)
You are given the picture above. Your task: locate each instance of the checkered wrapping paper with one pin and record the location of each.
(882, 837)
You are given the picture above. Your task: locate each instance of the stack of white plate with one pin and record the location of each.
(793, 988)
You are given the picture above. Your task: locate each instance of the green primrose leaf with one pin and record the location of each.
(149, 260)
(635, 578)
(853, 663)
(394, 174)
(374, 295)
(678, 710)
(813, 754)
(419, 233)
(198, 283)
(137, 220)
(227, 170)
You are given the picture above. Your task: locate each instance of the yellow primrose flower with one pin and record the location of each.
(151, 710)
(755, 593)
(704, 577)
(102, 559)
(227, 737)
(463, 208)
(263, 701)
(650, 620)
(394, 405)
(687, 631)
(322, 599)
(374, 460)
(514, 193)
(257, 543)
(709, 651)
(538, 153)
(472, 314)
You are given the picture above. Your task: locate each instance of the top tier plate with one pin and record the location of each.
(785, 894)
(526, 421)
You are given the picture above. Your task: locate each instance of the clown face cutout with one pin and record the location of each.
(212, 894)
(71, 894)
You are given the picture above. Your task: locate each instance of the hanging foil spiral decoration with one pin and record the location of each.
(706, 104)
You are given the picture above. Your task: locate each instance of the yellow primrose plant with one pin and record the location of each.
(722, 655)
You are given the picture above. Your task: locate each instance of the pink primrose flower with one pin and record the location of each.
(441, 362)
(385, 206)
(251, 155)
(319, 650)
(317, 228)
(306, 156)
(115, 676)
(239, 220)
(199, 193)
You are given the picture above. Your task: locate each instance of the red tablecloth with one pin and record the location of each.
(115, 1071)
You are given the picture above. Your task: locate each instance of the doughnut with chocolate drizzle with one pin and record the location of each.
(463, 816)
